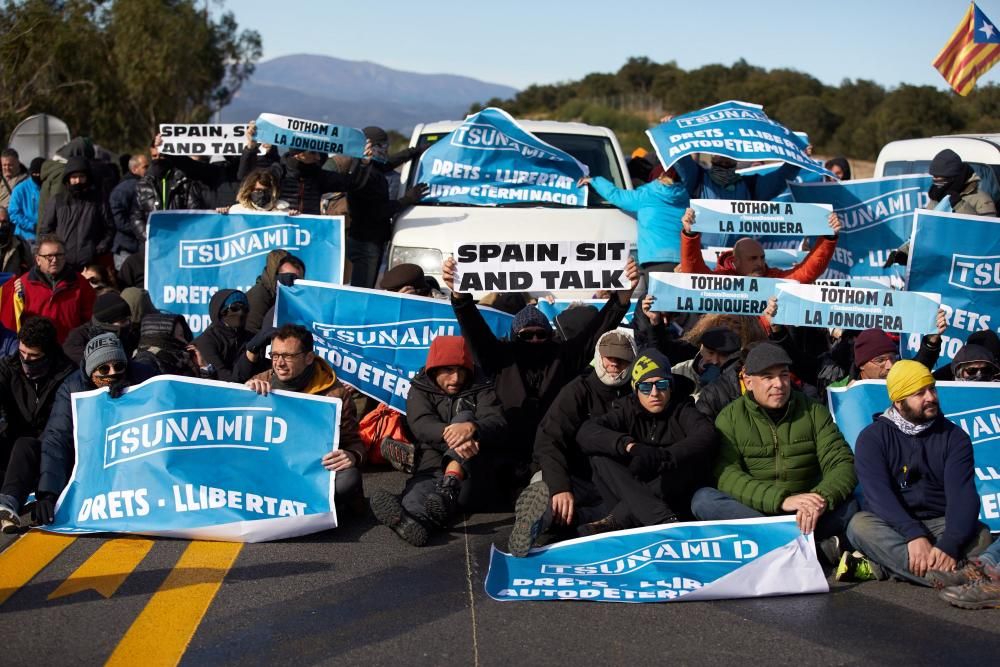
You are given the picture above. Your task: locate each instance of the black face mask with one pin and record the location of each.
(78, 189)
(37, 178)
(287, 279)
(261, 198)
(235, 320)
(36, 368)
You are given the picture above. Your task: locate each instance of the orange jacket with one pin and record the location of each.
(806, 271)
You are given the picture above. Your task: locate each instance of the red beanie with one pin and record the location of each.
(448, 351)
(871, 343)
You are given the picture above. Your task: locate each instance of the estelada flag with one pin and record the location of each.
(972, 50)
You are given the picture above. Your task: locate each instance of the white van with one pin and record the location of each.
(427, 233)
(913, 156)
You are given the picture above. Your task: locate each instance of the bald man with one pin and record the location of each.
(747, 256)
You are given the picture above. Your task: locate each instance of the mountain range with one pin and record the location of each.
(356, 93)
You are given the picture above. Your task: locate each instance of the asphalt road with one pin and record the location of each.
(359, 595)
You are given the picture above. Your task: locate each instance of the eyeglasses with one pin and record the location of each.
(647, 387)
(284, 356)
(114, 368)
(238, 307)
(984, 373)
(533, 334)
(53, 257)
(884, 359)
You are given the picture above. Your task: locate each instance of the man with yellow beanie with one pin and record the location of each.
(916, 472)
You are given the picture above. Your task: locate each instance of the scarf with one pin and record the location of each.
(296, 383)
(903, 424)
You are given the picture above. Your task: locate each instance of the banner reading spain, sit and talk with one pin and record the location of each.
(490, 160)
(199, 459)
(704, 560)
(973, 406)
(190, 255)
(375, 340)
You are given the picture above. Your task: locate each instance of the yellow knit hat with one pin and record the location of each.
(907, 378)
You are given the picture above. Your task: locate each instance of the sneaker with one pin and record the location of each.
(981, 594)
(530, 511)
(389, 512)
(441, 504)
(854, 566)
(10, 520)
(971, 573)
(606, 525)
(401, 455)
(830, 549)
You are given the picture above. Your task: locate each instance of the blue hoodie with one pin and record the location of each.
(660, 208)
(23, 208)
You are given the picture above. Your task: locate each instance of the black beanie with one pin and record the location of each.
(110, 308)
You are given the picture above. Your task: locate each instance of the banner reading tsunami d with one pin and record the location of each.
(831, 307)
(191, 255)
(490, 160)
(375, 340)
(959, 257)
(705, 560)
(758, 218)
(181, 457)
(287, 133)
(737, 130)
(711, 293)
(877, 216)
(973, 406)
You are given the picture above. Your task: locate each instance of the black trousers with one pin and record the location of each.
(635, 502)
(23, 469)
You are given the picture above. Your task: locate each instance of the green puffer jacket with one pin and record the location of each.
(762, 463)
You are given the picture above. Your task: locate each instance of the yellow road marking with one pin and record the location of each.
(27, 557)
(106, 570)
(162, 632)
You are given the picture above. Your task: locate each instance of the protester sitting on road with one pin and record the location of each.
(974, 363)
(165, 344)
(105, 364)
(986, 338)
(112, 315)
(458, 424)
(23, 206)
(747, 256)
(29, 380)
(916, 470)
(562, 492)
(280, 267)
(15, 252)
(650, 451)
(50, 289)
(80, 217)
(975, 586)
(718, 348)
(663, 334)
(533, 367)
(224, 342)
(258, 193)
(295, 367)
(781, 453)
(875, 352)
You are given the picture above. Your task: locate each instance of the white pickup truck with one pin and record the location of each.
(427, 233)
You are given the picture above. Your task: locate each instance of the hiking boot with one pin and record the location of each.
(530, 514)
(401, 455)
(971, 573)
(606, 525)
(981, 594)
(854, 566)
(831, 550)
(441, 504)
(389, 512)
(10, 520)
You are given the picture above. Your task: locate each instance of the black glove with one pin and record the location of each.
(647, 460)
(414, 194)
(896, 257)
(261, 340)
(116, 389)
(44, 511)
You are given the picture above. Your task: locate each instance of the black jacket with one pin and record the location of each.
(302, 185)
(265, 291)
(160, 348)
(220, 345)
(83, 223)
(172, 183)
(123, 203)
(429, 410)
(17, 257)
(528, 376)
(76, 341)
(720, 392)
(556, 452)
(371, 207)
(26, 404)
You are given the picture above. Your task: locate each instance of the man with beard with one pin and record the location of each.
(224, 342)
(79, 216)
(917, 473)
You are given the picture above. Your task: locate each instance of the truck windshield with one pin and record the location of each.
(596, 152)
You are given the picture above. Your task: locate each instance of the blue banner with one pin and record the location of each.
(200, 459)
(376, 340)
(760, 218)
(191, 255)
(973, 406)
(706, 560)
(958, 256)
(712, 293)
(553, 309)
(490, 160)
(737, 130)
(286, 133)
(830, 307)
(877, 216)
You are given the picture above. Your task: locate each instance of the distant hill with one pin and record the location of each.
(356, 93)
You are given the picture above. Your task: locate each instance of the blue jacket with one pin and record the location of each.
(23, 208)
(659, 207)
(906, 479)
(58, 451)
(123, 203)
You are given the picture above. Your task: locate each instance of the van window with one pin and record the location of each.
(596, 152)
(901, 167)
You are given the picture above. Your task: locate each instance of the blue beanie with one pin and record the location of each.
(530, 316)
(236, 297)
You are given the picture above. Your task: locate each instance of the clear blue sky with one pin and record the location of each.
(519, 42)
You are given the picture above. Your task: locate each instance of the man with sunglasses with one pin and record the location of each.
(105, 364)
(781, 453)
(974, 363)
(650, 451)
(224, 342)
(295, 367)
(50, 289)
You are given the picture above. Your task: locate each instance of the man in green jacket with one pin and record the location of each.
(781, 454)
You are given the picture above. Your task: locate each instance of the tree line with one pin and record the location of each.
(856, 118)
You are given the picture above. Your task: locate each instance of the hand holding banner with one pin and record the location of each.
(712, 293)
(756, 218)
(208, 140)
(285, 132)
(857, 308)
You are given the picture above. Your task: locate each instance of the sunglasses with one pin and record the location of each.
(647, 387)
(238, 307)
(114, 368)
(533, 334)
